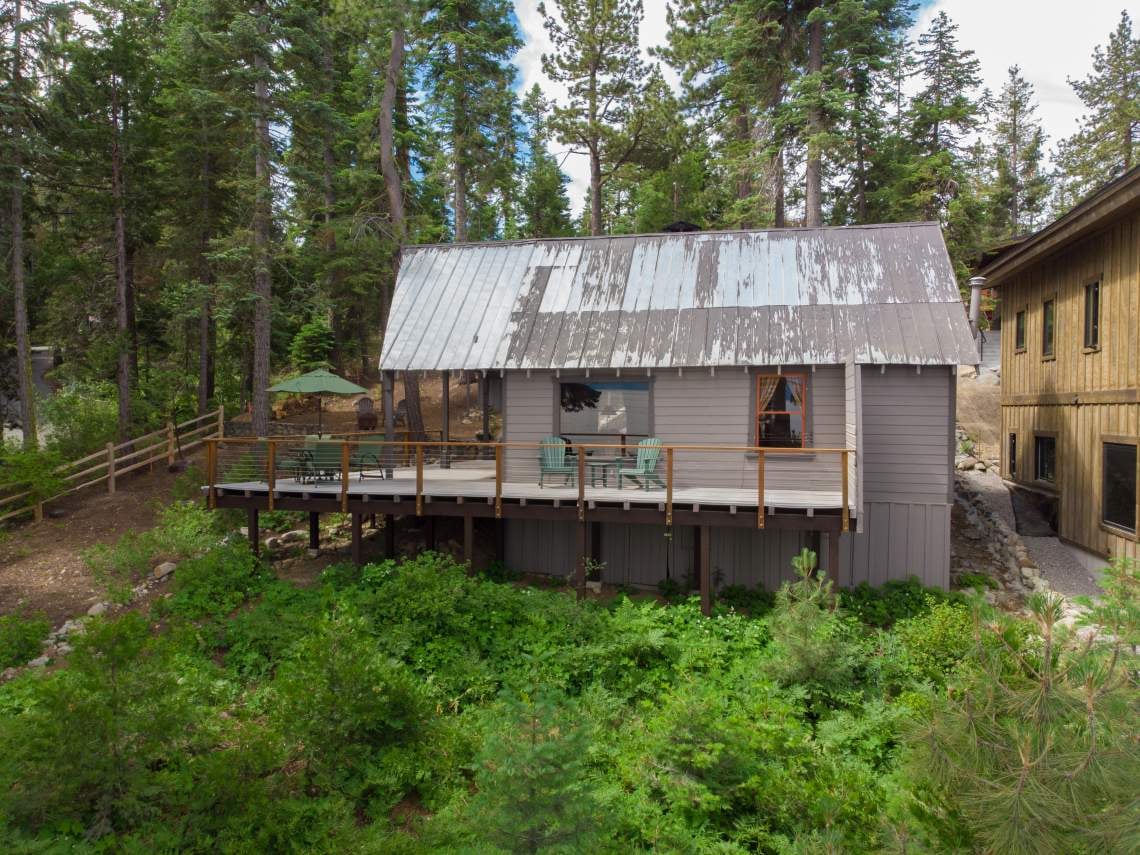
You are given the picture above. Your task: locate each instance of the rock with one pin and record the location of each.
(967, 463)
(1025, 561)
(979, 466)
(163, 570)
(312, 553)
(39, 662)
(63, 648)
(56, 513)
(295, 536)
(9, 673)
(98, 609)
(272, 543)
(75, 626)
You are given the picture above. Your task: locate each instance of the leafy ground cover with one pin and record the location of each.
(409, 707)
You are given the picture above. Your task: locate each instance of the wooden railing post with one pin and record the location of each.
(498, 480)
(669, 485)
(110, 467)
(419, 479)
(271, 469)
(760, 488)
(345, 456)
(221, 420)
(581, 483)
(211, 471)
(170, 443)
(845, 512)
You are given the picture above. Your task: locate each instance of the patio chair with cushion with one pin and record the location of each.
(644, 469)
(552, 460)
(368, 456)
(325, 459)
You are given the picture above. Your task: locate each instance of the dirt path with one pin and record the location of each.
(41, 564)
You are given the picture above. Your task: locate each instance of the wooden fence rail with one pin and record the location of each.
(118, 459)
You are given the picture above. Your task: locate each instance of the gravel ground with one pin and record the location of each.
(1064, 571)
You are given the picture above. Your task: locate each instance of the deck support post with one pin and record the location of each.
(501, 540)
(389, 535)
(314, 531)
(445, 419)
(251, 527)
(704, 556)
(357, 539)
(583, 554)
(386, 398)
(468, 541)
(833, 556)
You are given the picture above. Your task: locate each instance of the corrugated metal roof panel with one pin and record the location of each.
(875, 294)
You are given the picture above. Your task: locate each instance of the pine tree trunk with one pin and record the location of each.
(122, 286)
(392, 179)
(779, 204)
(262, 284)
(205, 277)
(595, 159)
(328, 190)
(412, 406)
(813, 201)
(459, 154)
(19, 297)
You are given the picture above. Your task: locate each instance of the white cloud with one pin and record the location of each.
(1050, 41)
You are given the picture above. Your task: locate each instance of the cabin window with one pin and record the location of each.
(604, 408)
(1019, 331)
(1092, 315)
(1045, 458)
(1013, 455)
(781, 410)
(1048, 324)
(1118, 485)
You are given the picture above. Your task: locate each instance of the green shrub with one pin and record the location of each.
(82, 418)
(214, 584)
(184, 529)
(753, 601)
(30, 471)
(312, 346)
(21, 639)
(283, 520)
(936, 641)
(978, 581)
(895, 600)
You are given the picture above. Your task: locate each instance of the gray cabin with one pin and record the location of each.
(719, 400)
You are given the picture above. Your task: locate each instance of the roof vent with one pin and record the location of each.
(681, 226)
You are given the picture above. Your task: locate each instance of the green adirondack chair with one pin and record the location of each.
(369, 455)
(644, 469)
(552, 460)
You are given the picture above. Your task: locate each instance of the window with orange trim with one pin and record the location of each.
(781, 410)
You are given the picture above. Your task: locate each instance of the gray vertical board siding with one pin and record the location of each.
(754, 558)
(907, 434)
(548, 547)
(898, 540)
(641, 555)
(873, 293)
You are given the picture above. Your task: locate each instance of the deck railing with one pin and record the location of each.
(587, 472)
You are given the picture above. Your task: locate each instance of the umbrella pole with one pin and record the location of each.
(320, 420)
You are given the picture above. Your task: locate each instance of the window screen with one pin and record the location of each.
(1092, 314)
(1045, 458)
(1019, 331)
(781, 416)
(1119, 485)
(604, 408)
(1013, 455)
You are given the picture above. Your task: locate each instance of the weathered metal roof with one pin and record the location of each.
(874, 294)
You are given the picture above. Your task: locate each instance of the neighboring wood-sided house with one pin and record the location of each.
(812, 367)
(1070, 366)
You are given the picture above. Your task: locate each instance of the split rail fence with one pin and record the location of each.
(116, 460)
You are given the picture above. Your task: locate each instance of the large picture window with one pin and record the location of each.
(604, 408)
(781, 410)
(1118, 486)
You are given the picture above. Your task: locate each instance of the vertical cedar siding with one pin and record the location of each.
(1039, 396)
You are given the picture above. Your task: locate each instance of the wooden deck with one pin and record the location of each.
(470, 481)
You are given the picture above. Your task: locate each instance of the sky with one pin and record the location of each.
(1051, 41)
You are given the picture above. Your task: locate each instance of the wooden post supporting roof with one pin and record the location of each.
(445, 421)
(386, 398)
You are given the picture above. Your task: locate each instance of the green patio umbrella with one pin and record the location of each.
(319, 382)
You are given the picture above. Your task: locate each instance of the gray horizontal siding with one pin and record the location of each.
(908, 434)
